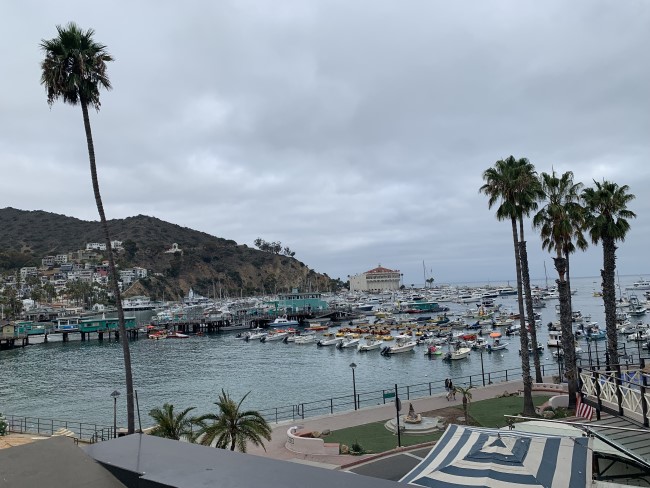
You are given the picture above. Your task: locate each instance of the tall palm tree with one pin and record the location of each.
(502, 186)
(232, 428)
(560, 222)
(529, 192)
(74, 69)
(607, 222)
(171, 425)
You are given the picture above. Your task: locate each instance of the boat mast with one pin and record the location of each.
(546, 275)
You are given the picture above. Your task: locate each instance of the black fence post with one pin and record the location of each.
(303, 410)
(599, 402)
(619, 392)
(644, 404)
(506, 375)
(331, 405)
(383, 395)
(408, 393)
(429, 388)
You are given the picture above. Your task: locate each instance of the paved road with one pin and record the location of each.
(391, 467)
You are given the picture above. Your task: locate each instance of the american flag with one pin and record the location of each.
(583, 410)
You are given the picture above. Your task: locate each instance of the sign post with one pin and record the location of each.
(398, 407)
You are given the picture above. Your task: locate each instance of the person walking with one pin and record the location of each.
(447, 385)
(452, 391)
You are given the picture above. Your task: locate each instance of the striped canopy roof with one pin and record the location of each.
(469, 456)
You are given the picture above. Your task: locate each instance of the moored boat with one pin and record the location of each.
(456, 354)
(176, 335)
(334, 341)
(402, 344)
(284, 322)
(305, 339)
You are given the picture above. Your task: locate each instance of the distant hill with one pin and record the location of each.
(208, 264)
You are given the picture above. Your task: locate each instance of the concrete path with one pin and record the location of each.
(276, 447)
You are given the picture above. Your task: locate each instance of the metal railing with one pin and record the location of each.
(622, 390)
(344, 403)
(48, 427)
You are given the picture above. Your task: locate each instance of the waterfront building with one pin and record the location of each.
(61, 259)
(295, 302)
(376, 280)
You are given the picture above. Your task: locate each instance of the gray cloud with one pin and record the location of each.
(354, 132)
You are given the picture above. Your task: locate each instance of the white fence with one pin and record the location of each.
(627, 393)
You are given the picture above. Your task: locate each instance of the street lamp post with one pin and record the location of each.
(354, 385)
(482, 369)
(115, 394)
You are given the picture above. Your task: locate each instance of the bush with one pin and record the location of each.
(357, 449)
(3, 426)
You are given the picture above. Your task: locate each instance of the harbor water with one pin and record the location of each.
(74, 380)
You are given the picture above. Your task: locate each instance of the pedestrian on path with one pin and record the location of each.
(447, 385)
(451, 395)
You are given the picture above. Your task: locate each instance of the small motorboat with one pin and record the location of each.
(274, 336)
(402, 344)
(348, 342)
(334, 341)
(305, 339)
(433, 351)
(254, 334)
(176, 335)
(458, 353)
(369, 345)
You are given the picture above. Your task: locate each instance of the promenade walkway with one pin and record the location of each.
(276, 447)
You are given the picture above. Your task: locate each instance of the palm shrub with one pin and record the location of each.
(3, 426)
(172, 425)
(231, 427)
(466, 398)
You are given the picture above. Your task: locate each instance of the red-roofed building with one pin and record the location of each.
(377, 279)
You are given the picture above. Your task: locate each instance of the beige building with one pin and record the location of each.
(377, 279)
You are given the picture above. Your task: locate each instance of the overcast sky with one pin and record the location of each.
(354, 132)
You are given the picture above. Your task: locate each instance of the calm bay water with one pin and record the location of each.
(74, 380)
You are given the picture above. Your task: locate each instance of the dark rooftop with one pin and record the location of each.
(155, 462)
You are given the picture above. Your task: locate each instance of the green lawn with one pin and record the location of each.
(490, 413)
(375, 437)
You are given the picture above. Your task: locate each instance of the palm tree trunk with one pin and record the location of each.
(609, 298)
(530, 312)
(572, 363)
(568, 340)
(529, 408)
(113, 275)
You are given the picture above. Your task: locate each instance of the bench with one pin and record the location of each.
(301, 442)
(548, 387)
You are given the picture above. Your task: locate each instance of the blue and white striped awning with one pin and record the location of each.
(471, 456)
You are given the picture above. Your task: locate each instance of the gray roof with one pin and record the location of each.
(631, 437)
(56, 463)
(180, 464)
